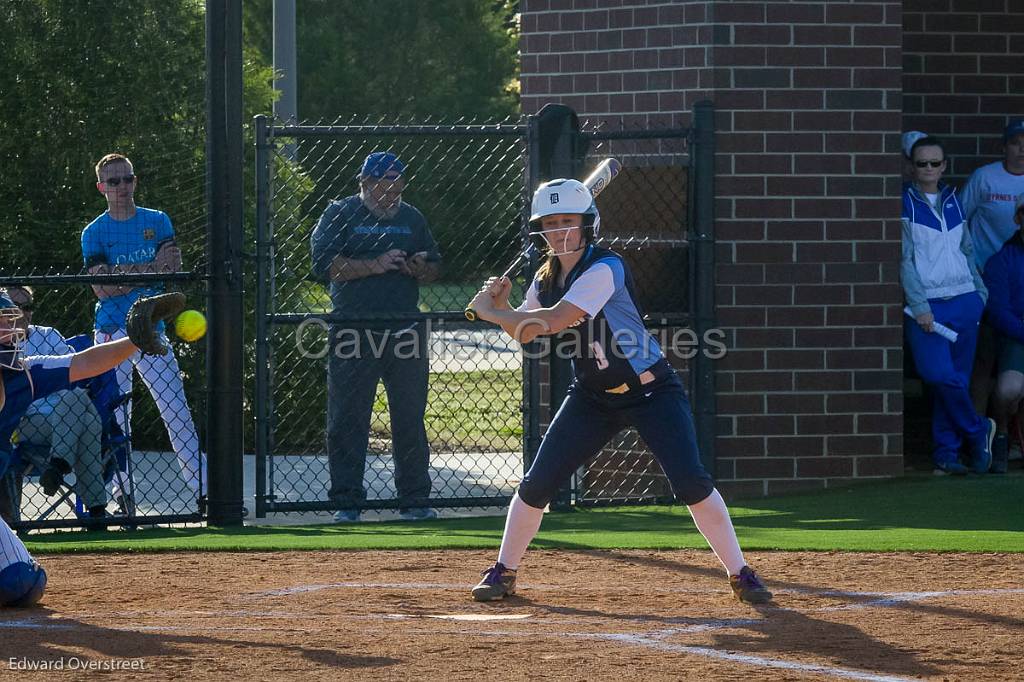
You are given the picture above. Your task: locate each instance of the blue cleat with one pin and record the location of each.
(950, 469)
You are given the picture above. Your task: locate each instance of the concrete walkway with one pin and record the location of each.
(160, 490)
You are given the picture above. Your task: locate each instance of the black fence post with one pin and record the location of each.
(262, 406)
(702, 283)
(561, 150)
(224, 241)
(531, 363)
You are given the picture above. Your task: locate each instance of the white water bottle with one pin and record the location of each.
(940, 329)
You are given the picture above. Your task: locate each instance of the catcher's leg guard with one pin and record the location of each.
(22, 584)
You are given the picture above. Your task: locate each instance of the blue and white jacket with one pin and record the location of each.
(938, 254)
(1004, 276)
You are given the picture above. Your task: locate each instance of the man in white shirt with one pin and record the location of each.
(66, 422)
(989, 196)
(988, 200)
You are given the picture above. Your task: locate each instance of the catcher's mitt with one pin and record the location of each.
(144, 315)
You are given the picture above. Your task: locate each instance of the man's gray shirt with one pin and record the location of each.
(349, 229)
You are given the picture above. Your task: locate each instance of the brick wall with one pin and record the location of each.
(808, 234)
(620, 61)
(808, 97)
(963, 75)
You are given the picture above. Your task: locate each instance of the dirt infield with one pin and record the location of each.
(579, 616)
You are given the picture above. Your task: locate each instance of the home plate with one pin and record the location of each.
(481, 616)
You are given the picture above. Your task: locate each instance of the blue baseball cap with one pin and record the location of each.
(5, 301)
(379, 164)
(1013, 129)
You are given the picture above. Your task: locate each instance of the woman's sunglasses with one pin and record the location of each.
(925, 164)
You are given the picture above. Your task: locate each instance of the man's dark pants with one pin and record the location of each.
(400, 360)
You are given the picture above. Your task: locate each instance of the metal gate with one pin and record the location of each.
(487, 401)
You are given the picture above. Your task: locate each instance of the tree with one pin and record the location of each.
(81, 78)
(404, 59)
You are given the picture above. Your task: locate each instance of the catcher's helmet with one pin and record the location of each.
(12, 337)
(564, 196)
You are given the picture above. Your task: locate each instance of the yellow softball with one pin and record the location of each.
(190, 325)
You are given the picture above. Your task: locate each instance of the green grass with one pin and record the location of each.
(913, 514)
(434, 298)
(479, 410)
(447, 296)
(475, 410)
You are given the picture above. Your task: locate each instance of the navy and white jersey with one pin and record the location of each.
(611, 346)
(42, 376)
(42, 340)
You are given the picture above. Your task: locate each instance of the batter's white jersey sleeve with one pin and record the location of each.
(592, 289)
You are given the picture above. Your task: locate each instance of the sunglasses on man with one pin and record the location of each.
(114, 182)
(925, 164)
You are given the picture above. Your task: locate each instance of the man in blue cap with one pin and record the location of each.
(373, 250)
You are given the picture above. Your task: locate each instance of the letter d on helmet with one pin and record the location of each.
(565, 196)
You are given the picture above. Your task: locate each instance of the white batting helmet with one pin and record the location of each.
(565, 196)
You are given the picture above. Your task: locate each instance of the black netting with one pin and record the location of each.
(645, 217)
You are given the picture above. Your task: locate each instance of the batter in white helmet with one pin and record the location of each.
(583, 296)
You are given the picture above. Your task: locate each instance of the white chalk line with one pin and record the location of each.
(303, 589)
(654, 639)
(650, 641)
(893, 599)
(747, 659)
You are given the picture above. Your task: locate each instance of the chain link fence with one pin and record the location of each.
(123, 448)
(393, 352)
(343, 421)
(645, 217)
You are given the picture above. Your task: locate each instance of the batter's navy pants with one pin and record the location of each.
(586, 421)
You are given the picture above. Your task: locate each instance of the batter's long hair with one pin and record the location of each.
(547, 274)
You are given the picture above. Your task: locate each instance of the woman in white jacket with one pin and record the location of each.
(942, 285)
